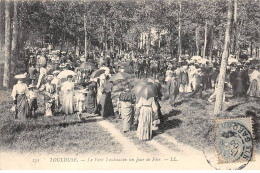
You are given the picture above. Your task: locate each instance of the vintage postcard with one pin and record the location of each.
(129, 84)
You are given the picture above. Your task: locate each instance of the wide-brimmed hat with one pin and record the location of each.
(31, 86)
(20, 76)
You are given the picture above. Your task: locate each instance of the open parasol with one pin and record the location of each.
(66, 73)
(196, 58)
(120, 76)
(97, 73)
(138, 86)
(105, 68)
(147, 92)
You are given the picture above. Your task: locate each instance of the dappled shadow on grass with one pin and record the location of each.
(170, 124)
(182, 101)
(230, 108)
(173, 112)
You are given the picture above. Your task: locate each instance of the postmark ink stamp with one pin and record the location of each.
(234, 140)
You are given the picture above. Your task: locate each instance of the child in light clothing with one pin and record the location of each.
(80, 103)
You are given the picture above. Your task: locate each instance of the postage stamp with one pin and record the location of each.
(234, 140)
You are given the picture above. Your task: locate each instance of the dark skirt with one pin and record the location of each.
(33, 104)
(91, 103)
(106, 105)
(23, 109)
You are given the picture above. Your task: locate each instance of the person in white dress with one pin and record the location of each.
(42, 77)
(21, 98)
(146, 115)
(67, 102)
(48, 91)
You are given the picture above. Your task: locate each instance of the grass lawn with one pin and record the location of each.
(53, 134)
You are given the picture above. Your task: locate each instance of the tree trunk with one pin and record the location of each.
(105, 33)
(251, 49)
(159, 40)
(197, 40)
(67, 44)
(211, 44)
(222, 72)
(235, 28)
(179, 33)
(14, 39)
(86, 33)
(2, 28)
(7, 65)
(149, 41)
(205, 39)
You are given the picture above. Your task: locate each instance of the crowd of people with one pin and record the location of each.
(68, 89)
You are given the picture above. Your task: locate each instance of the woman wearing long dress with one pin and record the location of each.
(127, 98)
(49, 96)
(254, 88)
(105, 100)
(146, 109)
(42, 77)
(67, 99)
(20, 95)
(91, 100)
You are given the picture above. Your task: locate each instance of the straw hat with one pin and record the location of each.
(31, 86)
(20, 76)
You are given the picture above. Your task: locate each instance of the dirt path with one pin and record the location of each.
(185, 155)
(128, 147)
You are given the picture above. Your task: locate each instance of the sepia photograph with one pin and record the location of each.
(130, 84)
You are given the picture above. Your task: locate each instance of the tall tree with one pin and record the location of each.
(223, 67)
(7, 65)
(2, 25)
(179, 32)
(235, 28)
(197, 38)
(85, 29)
(205, 39)
(14, 49)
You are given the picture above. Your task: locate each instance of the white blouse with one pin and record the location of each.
(149, 102)
(20, 88)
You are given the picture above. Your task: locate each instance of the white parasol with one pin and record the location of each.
(66, 73)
